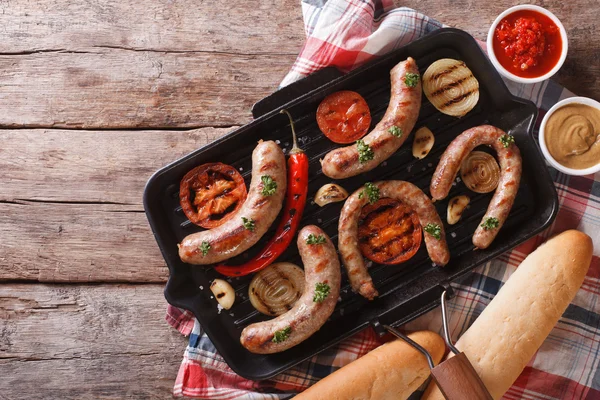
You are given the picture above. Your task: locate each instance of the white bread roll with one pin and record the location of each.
(513, 326)
(392, 371)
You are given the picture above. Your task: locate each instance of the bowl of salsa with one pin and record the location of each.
(527, 44)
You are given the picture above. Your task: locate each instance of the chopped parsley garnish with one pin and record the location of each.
(248, 224)
(204, 248)
(269, 185)
(434, 230)
(365, 153)
(321, 292)
(411, 79)
(312, 239)
(395, 131)
(490, 223)
(282, 335)
(507, 140)
(371, 191)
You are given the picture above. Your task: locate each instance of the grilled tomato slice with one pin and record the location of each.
(389, 232)
(211, 193)
(344, 117)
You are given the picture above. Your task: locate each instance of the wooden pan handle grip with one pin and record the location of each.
(458, 380)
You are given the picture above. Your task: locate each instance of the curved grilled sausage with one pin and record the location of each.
(402, 191)
(510, 175)
(231, 238)
(321, 265)
(402, 112)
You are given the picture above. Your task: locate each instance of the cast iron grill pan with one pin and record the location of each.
(406, 290)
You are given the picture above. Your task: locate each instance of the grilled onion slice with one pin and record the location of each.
(275, 289)
(422, 143)
(480, 172)
(330, 193)
(451, 87)
(223, 292)
(456, 207)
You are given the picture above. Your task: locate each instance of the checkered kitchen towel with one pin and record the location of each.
(345, 34)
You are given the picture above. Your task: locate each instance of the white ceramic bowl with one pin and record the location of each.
(552, 161)
(510, 75)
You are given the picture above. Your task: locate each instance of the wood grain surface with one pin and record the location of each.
(71, 209)
(116, 89)
(94, 97)
(86, 342)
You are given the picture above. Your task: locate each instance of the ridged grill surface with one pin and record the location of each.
(398, 285)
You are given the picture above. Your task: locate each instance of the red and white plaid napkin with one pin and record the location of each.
(346, 34)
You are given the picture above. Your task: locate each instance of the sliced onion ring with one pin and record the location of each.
(480, 172)
(451, 87)
(275, 289)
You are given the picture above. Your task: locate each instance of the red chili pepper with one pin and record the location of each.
(297, 190)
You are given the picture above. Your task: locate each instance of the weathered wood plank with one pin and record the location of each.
(115, 88)
(86, 342)
(71, 202)
(108, 87)
(272, 26)
(54, 242)
(90, 166)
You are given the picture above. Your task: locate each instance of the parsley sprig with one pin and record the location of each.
(321, 292)
(507, 140)
(434, 230)
(365, 153)
(312, 239)
(371, 191)
(490, 223)
(411, 79)
(204, 248)
(269, 185)
(249, 224)
(395, 131)
(282, 335)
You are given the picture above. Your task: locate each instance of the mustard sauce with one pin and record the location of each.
(572, 136)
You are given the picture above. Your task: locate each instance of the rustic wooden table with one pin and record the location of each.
(94, 97)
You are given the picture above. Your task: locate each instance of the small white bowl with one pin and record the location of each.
(546, 153)
(510, 75)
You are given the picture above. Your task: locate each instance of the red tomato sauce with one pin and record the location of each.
(527, 43)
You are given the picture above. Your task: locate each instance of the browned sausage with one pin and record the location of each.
(510, 175)
(402, 191)
(402, 112)
(321, 265)
(232, 238)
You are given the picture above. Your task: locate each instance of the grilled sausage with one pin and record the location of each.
(402, 191)
(232, 238)
(402, 112)
(510, 175)
(321, 265)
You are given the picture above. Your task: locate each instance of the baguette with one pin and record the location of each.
(392, 371)
(514, 325)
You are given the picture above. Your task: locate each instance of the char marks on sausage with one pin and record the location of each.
(510, 175)
(353, 260)
(402, 111)
(321, 265)
(232, 238)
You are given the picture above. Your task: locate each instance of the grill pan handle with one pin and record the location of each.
(412, 308)
(294, 90)
(458, 380)
(455, 377)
